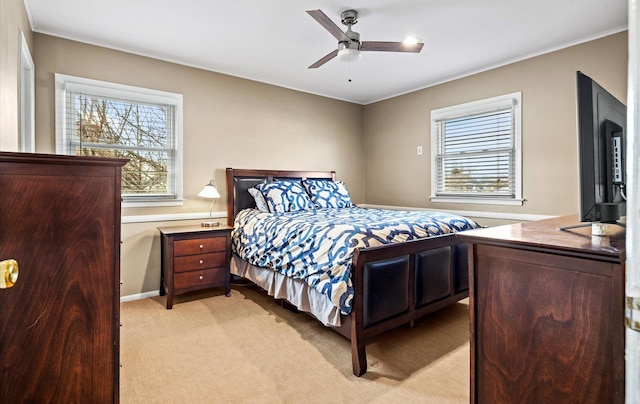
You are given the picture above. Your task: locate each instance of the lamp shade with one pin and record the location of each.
(209, 191)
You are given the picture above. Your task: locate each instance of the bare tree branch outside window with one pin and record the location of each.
(112, 120)
(139, 132)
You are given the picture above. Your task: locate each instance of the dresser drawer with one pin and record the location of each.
(199, 245)
(199, 278)
(199, 261)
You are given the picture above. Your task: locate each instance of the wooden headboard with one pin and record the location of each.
(240, 180)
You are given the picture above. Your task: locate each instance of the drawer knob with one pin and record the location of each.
(8, 273)
(201, 246)
(201, 277)
(202, 261)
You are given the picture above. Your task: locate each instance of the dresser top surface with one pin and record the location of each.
(58, 159)
(548, 234)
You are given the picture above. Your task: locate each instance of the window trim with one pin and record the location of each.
(65, 83)
(476, 107)
(27, 98)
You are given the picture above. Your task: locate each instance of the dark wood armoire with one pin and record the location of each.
(59, 322)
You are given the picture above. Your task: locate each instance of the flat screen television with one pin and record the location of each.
(602, 120)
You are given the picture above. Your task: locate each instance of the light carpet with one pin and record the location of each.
(248, 349)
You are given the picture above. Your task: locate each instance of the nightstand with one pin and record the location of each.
(194, 258)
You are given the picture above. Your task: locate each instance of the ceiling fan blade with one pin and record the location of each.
(379, 46)
(329, 25)
(324, 59)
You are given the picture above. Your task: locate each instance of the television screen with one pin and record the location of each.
(602, 121)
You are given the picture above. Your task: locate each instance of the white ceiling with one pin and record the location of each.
(275, 41)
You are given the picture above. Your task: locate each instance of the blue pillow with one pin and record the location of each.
(285, 196)
(328, 194)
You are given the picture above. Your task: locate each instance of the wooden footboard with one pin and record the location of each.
(397, 283)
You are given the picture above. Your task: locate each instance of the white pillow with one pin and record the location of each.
(261, 204)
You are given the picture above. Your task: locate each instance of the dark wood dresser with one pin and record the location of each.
(59, 323)
(547, 314)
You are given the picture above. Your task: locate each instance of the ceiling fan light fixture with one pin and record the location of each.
(349, 55)
(410, 40)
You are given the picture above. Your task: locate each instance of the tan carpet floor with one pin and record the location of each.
(247, 349)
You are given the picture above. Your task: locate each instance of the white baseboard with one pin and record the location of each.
(523, 217)
(139, 296)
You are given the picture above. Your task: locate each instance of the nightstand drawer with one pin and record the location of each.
(199, 261)
(200, 278)
(199, 245)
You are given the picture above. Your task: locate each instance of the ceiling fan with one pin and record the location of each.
(349, 45)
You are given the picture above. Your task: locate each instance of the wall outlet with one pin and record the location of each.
(419, 151)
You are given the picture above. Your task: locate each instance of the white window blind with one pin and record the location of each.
(99, 120)
(476, 153)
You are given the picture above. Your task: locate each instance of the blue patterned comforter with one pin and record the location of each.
(317, 245)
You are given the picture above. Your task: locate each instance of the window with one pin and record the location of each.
(95, 118)
(476, 152)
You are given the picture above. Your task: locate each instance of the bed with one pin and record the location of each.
(388, 285)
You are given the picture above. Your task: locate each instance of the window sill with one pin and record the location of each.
(478, 201)
(152, 204)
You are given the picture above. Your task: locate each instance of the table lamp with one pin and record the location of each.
(210, 192)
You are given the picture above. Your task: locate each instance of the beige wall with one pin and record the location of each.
(232, 122)
(393, 128)
(228, 122)
(13, 20)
